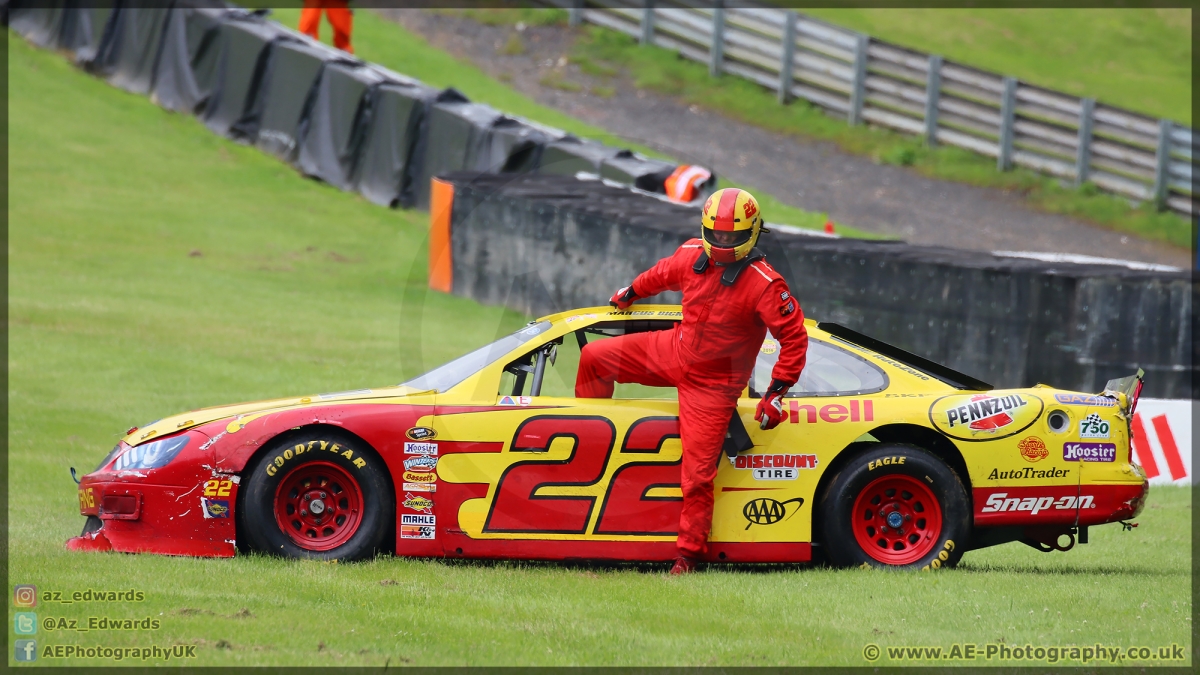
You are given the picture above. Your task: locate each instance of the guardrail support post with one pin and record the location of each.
(1008, 101)
(1162, 161)
(647, 24)
(933, 93)
(716, 50)
(787, 61)
(1083, 149)
(859, 86)
(575, 14)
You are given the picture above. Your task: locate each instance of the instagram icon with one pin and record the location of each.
(25, 596)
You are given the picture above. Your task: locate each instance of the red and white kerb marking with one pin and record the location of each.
(1162, 440)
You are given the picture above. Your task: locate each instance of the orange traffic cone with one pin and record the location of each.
(828, 226)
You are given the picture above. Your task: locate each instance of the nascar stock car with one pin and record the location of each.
(885, 459)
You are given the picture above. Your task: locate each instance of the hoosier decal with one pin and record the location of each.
(1090, 452)
(983, 417)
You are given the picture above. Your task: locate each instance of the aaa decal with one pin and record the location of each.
(767, 511)
(984, 417)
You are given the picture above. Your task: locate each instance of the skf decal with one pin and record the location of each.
(421, 449)
(984, 417)
(999, 503)
(214, 508)
(1033, 449)
(1085, 399)
(854, 411)
(422, 463)
(422, 504)
(421, 434)
(1090, 452)
(767, 511)
(420, 487)
(1027, 473)
(775, 467)
(1093, 427)
(515, 400)
(419, 477)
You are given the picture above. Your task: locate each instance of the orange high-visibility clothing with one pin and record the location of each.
(681, 184)
(341, 17)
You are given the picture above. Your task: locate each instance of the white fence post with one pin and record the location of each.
(1007, 113)
(788, 59)
(859, 86)
(1083, 151)
(648, 24)
(1162, 160)
(933, 93)
(716, 50)
(575, 14)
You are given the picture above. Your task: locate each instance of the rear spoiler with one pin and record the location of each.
(936, 370)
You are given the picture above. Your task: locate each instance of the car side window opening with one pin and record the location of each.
(828, 371)
(445, 377)
(561, 364)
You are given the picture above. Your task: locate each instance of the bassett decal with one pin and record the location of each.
(984, 417)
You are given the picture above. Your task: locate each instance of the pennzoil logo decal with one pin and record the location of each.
(767, 511)
(985, 417)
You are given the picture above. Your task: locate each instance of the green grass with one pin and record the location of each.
(381, 41)
(664, 71)
(300, 288)
(1139, 59)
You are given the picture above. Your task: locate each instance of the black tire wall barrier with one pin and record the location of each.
(541, 244)
(252, 80)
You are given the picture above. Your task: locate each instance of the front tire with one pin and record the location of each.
(321, 496)
(895, 506)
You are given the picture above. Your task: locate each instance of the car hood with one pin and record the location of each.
(195, 418)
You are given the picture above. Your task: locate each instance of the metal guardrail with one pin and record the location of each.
(867, 80)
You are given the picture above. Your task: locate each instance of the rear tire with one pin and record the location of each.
(319, 495)
(895, 506)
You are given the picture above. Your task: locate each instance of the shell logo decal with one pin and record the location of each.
(985, 417)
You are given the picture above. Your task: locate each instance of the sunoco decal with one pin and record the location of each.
(417, 503)
(984, 417)
(214, 508)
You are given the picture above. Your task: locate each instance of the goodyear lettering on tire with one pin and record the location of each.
(942, 556)
(276, 463)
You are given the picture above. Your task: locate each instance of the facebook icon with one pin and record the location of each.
(26, 650)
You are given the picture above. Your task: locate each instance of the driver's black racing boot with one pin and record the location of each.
(683, 565)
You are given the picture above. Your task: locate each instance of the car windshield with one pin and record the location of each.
(828, 371)
(444, 377)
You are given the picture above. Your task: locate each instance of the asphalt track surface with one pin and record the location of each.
(813, 175)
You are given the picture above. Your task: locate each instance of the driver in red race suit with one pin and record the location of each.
(731, 297)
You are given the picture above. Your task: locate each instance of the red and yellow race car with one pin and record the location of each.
(885, 459)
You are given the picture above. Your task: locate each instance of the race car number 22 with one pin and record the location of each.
(626, 508)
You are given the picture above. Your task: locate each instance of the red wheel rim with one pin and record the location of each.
(897, 520)
(319, 506)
